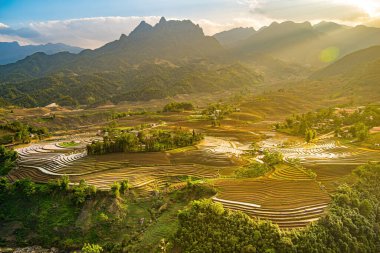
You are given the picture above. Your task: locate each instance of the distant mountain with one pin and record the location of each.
(354, 64)
(303, 43)
(11, 51)
(329, 27)
(356, 75)
(175, 41)
(169, 58)
(231, 37)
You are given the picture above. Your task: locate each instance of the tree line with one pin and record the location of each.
(144, 141)
(22, 133)
(342, 122)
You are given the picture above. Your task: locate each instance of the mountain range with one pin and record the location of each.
(12, 51)
(231, 37)
(304, 43)
(151, 62)
(175, 57)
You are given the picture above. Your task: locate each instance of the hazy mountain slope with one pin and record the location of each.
(11, 51)
(34, 66)
(148, 81)
(278, 40)
(231, 37)
(303, 43)
(350, 64)
(356, 76)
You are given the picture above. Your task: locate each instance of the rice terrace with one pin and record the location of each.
(247, 126)
(292, 193)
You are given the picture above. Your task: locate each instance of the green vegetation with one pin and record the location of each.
(58, 216)
(252, 170)
(208, 227)
(178, 107)
(346, 123)
(91, 248)
(256, 169)
(70, 144)
(148, 81)
(310, 134)
(19, 132)
(217, 112)
(351, 224)
(7, 159)
(154, 140)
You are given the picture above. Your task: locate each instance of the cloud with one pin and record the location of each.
(88, 32)
(2, 26)
(210, 27)
(23, 35)
(301, 10)
(97, 31)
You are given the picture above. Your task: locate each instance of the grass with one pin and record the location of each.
(70, 144)
(164, 228)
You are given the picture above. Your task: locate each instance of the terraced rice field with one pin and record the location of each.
(145, 171)
(288, 203)
(288, 196)
(287, 172)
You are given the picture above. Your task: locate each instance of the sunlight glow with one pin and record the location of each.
(329, 54)
(371, 7)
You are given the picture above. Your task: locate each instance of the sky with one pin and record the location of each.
(92, 23)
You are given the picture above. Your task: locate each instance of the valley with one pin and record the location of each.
(289, 195)
(166, 138)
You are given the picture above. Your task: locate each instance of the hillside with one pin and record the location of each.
(148, 81)
(11, 51)
(348, 65)
(172, 57)
(305, 44)
(230, 37)
(356, 76)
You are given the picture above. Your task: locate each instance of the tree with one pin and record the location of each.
(91, 248)
(272, 158)
(360, 131)
(8, 158)
(164, 245)
(207, 227)
(124, 186)
(25, 186)
(310, 134)
(115, 189)
(64, 183)
(80, 192)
